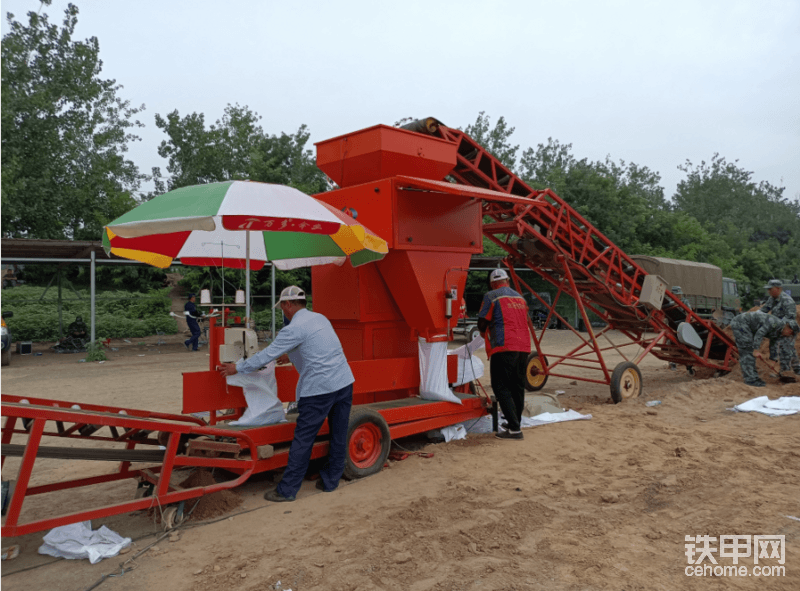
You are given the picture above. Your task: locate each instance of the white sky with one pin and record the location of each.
(653, 83)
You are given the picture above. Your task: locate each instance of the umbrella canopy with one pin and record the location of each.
(211, 225)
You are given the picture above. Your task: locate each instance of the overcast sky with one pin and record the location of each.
(653, 83)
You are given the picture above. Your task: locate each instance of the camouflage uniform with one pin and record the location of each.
(783, 307)
(749, 330)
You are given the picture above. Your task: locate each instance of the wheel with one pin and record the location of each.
(368, 443)
(173, 517)
(720, 373)
(626, 382)
(535, 378)
(691, 370)
(472, 334)
(6, 358)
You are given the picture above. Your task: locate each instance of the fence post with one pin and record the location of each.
(91, 297)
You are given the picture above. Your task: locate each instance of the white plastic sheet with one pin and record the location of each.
(261, 393)
(433, 372)
(786, 405)
(77, 541)
(484, 424)
(551, 417)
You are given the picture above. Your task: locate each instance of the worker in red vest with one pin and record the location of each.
(503, 322)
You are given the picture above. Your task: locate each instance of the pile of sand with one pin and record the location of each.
(213, 505)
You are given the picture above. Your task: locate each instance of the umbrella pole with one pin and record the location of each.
(273, 300)
(247, 278)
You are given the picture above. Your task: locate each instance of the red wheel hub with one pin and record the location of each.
(365, 445)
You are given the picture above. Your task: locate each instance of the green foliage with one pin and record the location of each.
(119, 314)
(112, 277)
(234, 148)
(64, 134)
(758, 226)
(495, 140)
(263, 319)
(94, 351)
(197, 278)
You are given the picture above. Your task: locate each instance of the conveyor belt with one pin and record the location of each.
(88, 453)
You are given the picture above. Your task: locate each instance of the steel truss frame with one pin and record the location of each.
(540, 230)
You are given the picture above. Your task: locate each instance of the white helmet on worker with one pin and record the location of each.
(498, 275)
(291, 293)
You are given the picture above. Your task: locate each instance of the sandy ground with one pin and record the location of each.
(598, 504)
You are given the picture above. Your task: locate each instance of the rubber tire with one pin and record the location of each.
(691, 370)
(472, 334)
(530, 385)
(365, 424)
(6, 358)
(620, 382)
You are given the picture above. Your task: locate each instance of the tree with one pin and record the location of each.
(721, 193)
(759, 225)
(64, 134)
(234, 148)
(495, 141)
(619, 199)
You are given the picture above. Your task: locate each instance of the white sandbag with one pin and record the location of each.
(433, 372)
(454, 433)
(470, 367)
(261, 393)
(77, 541)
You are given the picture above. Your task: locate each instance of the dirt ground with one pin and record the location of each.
(599, 504)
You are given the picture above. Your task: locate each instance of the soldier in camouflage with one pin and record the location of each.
(781, 305)
(749, 330)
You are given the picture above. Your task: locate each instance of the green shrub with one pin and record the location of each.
(119, 314)
(94, 352)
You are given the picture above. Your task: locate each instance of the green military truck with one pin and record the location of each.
(710, 295)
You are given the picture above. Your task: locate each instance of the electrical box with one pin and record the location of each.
(653, 289)
(239, 343)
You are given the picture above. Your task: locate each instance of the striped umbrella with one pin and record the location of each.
(211, 225)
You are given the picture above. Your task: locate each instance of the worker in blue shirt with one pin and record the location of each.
(324, 390)
(192, 316)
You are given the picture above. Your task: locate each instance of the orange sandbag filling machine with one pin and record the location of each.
(380, 312)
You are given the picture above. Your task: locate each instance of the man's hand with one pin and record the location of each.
(227, 369)
(758, 355)
(283, 359)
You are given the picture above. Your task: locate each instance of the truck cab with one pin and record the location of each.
(731, 301)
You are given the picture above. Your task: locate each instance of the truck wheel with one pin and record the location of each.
(368, 443)
(472, 334)
(535, 378)
(626, 382)
(6, 358)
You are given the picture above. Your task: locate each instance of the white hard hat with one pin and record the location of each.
(291, 293)
(498, 275)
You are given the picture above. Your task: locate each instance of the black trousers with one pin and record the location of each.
(507, 372)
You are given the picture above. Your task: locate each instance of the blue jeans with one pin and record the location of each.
(195, 328)
(313, 410)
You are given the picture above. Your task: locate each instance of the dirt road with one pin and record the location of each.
(598, 504)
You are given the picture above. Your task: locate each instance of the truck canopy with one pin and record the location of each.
(699, 279)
